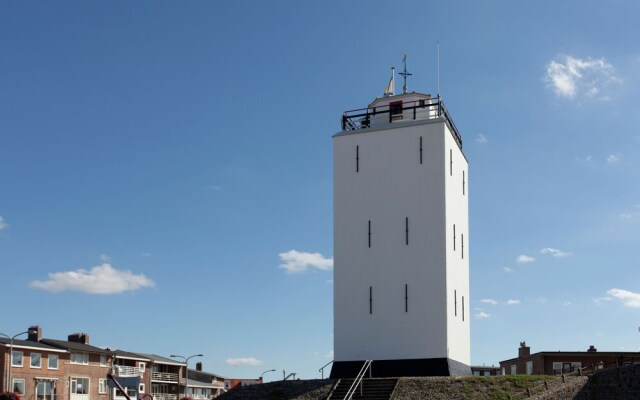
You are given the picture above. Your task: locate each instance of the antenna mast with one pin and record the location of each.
(438, 44)
(404, 74)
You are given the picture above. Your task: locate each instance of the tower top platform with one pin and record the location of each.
(399, 109)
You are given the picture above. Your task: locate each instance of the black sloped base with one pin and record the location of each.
(398, 368)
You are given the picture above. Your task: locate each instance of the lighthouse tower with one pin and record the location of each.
(401, 240)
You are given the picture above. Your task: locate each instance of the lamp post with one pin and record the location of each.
(8, 385)
(186, 371)
(269, 370)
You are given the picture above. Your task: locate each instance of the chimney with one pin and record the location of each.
(524, 350)
(591, 349)
(199, 366)
(79, 338)
(35, 333)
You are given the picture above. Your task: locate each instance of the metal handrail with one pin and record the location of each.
(361, 118)
(321, 370)
(358, 380)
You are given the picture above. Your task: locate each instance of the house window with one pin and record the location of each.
(36, 360)
(53, 361)
(141, 387)
(16, 358)
(103, 360)
(141, 366)
(79, 385)
(102, 386)
(513, 369)
(80, 358)
(529, 367)
(18, 386)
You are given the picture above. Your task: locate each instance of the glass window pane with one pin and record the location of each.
(16, 359)
(53, 361)
(18, 386)
(36, 359)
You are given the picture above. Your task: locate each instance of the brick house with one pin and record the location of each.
(558, 362)
(165, 378)
(127, 365)
(48, 369)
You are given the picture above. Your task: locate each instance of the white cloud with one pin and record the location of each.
(299, 261)
(481, 139)
(570, 77)
(629, 299)
(567, 303)
(508, 270)
(555, 252)
(101, 279)
(489, 301)
(512, 302)
(601, 300)
(524, 259)
(243, 362)
(482, 315)
(3, 224)
(105, 258)
(612, 159)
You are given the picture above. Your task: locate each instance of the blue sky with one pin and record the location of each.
(179, 154)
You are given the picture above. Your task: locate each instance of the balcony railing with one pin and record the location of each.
(164, 396)
(164, 377)
(123, 370)
(379, 116)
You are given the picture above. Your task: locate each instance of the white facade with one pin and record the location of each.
(401, 275)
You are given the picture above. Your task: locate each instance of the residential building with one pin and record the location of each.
(483, 370)
(559, 362)
(46, 369)
(166, 377)
(204, 385)
(125, 369)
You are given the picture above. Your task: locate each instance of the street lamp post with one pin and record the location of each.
(186, 371)
(8, 385)
(262, 375)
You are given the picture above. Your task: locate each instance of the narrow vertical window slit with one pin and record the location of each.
(406, 297)
(406, 230)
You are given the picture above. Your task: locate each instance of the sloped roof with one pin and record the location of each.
(30, 344)
(161, 360)
(75, 346)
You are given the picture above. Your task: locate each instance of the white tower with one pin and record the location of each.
(401, 241)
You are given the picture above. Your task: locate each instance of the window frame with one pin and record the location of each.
(102, 386)
(529, 367)
(85, 389)
(15, 353)
(103, 360)
(84, 356)
(51, 357)
(39, 366)
(24, 386)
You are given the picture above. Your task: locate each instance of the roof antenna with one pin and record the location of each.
(438, 44)
(404, 75)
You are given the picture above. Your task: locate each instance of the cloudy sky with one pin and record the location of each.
(166, 167)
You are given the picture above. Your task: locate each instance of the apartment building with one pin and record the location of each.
(165, 377)
(204, 385)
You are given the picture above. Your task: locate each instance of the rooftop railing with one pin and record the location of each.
(396, 112)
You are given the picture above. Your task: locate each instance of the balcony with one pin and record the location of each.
(164, 396)
(395, 112)
(123, 370)
(164, 377)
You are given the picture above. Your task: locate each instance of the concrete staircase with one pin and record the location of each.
(372, 389)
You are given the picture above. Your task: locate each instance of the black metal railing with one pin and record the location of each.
(409, 111)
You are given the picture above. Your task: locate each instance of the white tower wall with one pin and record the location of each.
(393, 300)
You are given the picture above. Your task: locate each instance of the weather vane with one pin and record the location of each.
(404, 74)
